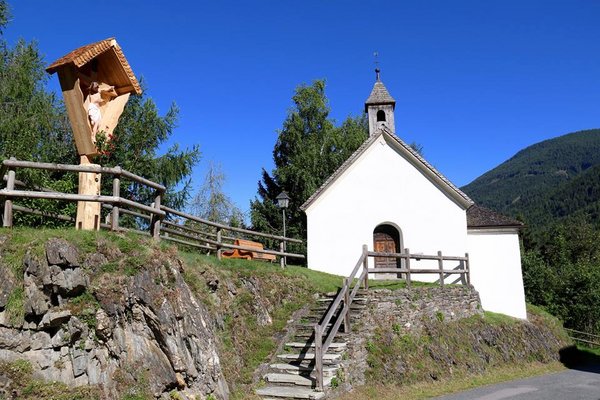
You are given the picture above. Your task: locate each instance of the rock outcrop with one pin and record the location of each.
(115, 330)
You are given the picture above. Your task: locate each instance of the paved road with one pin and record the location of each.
(573, 384)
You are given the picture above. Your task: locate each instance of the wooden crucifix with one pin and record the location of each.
(96, 81)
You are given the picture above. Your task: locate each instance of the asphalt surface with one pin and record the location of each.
(573, 384)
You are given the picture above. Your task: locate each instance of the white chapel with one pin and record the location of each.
(387, 196)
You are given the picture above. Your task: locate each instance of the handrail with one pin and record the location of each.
(465, 271)
(321, 346)
(347, 293)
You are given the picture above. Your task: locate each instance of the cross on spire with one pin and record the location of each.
(377, 70)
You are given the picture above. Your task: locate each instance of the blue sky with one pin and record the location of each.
(474, 81)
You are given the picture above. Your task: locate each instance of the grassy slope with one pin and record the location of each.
(244, 342)
(443, 360)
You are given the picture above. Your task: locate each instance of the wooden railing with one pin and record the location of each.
(587, 339)
(462, 269)
(216, 240)
(346, 295)
(9, 193)
(162, 221)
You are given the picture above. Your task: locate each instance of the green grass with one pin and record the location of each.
(20, 372)
(426, 390)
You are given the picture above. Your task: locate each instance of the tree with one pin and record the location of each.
(308, 150)
(212, 203)
(563, 275)
(34, 126)
(134, 146)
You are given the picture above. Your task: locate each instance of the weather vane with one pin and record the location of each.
(376, 55)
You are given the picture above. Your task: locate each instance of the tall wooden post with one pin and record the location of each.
(365, 252)
(219, 250)
(407, 252)
(156, 217)
(319, 358)
(467, 267)
(10, 185)
(88, 212)
(441, 267)
(347, 282)
(115, 211)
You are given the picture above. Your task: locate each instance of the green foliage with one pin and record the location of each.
(212, 203)
(308, 150)
(21, 382)
(554, 180)
(563, 275)
(34, 126)
(15, 306)
(134, 146)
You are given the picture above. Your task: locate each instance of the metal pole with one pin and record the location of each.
(284, 243)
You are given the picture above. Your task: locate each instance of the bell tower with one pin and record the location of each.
(380, 107)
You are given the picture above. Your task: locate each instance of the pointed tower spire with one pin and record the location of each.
(380, 107)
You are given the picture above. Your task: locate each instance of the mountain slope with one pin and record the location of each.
(556, 178)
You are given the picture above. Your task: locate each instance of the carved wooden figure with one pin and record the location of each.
(96, 81)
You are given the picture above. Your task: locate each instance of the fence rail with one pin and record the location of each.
(342, 302)
(587, 339)
(205, 235)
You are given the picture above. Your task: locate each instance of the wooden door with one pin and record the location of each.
(384, 243)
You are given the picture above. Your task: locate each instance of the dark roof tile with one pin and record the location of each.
(481, 217)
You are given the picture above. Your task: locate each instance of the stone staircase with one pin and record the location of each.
(292, 375)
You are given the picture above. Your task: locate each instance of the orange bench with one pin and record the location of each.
(248, 254)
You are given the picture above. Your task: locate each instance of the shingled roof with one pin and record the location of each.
(81, 56)
(481, 217)
(458, 194)
(379, 95)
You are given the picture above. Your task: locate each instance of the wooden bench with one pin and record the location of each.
(248, 254)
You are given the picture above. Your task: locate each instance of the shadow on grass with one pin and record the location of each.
(580, 359)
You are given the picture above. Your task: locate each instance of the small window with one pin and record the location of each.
(380, 116)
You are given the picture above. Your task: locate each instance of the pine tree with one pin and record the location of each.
(308, 150)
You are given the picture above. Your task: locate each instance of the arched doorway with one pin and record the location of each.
(387, 238)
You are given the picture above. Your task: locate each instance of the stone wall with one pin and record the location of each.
(404, 310)
(147, 325)
(409, 307)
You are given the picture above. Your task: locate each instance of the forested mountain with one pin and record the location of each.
(549, 181)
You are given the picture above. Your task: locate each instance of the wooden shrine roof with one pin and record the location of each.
(114, 67)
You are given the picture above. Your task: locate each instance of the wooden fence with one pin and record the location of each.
(340, 307)
(163, 222)
(587, 339)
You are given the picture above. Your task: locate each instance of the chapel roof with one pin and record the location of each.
(434, 173)
(120, 71)
(481, 217)
(379, 94)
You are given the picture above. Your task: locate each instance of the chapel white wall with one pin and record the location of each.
(495, 263)
(382, 187)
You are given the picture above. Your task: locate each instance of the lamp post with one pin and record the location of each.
(283, 200)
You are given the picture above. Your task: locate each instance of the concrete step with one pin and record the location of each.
(333, 347)
(304, 370)
(306, 335)
(359, 293)
(297, 358)
(289, 392)
(294, 380)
